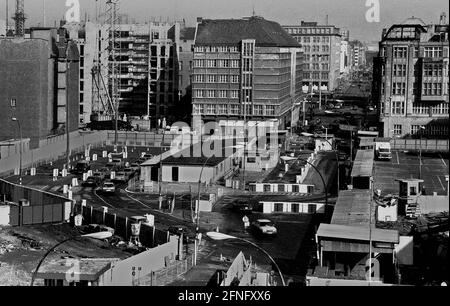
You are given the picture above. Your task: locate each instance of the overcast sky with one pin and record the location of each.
(346, 14)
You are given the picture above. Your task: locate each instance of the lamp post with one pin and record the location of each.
(337, 160)
(160, 170)
(219, 236)
(20, 150)
(100, 235)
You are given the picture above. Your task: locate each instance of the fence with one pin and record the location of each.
(149, 235)
(431, 145)
(167, 275)
(40, 207)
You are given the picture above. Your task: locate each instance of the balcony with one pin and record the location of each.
(429, 98)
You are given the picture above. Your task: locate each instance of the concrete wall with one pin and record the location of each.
(152, 260)
(52, 150)
(4, 214)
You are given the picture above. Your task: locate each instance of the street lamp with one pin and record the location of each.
(197, 208)
(422, 128)
(337, 159)
(219, 236)
(99, 235)
(20, 150)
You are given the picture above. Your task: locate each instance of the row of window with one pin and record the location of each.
(402, 52)
(432, 130)
(432, 89)
(430, 70)
(232, 94)
(303, 30)
(233, 109)
(316, 58)
(316, 66)
(215, 78)
(199, 63)
(315, 75)
(316, 48)
(419, 108)
(216, 49)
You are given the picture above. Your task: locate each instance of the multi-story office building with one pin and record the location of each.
(411, 80)
(357, 54)
(322, 47)
(38, 85)
(2, 28)
(147, 58)
(245, 70)
(344, 63)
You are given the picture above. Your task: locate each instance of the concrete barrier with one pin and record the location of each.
(65, 189)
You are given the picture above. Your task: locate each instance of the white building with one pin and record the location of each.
(2, 28)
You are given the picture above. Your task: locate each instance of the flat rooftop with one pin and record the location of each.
(353, 209)
(406, 166)
(88, 269)
(363, 163)
(336, 231)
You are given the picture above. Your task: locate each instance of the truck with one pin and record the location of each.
(383, 149)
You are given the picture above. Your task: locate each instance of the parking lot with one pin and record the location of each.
(406, 166)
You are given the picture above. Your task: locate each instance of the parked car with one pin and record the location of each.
(121, 177)
(108, 188)
(241, 206)
(117, 162)
(177, 230)
(100, 175)
(264, 227)
(91, 181)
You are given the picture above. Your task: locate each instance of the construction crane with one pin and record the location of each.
(19, 18)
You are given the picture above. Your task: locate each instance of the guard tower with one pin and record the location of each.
(409, 192)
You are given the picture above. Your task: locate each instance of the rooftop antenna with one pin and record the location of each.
(7, 16)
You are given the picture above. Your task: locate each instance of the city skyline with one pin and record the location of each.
(349, 15)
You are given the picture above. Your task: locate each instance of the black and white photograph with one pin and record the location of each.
(202, 145)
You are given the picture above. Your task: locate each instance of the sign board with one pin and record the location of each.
(350, 128)
(135, 229)
(78, 220)
(13, 103)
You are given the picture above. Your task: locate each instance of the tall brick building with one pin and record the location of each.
(411, 82)
(34, 84)
(245, 69)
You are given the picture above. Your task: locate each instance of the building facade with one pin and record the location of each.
(322, 47)
(38, 77)
(357, 54)
(90, 39)
(245, 70)
(411, 81)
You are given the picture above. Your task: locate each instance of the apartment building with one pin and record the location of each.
(322, 47)
(411, 80)
(245, 70)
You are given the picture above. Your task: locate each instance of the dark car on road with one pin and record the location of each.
(91, 181)
(82, 167)
(241, 206)
(188, 236)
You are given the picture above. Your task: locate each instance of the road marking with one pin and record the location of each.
(443, 161)
(101, 199)
(443, 187)
(136, 200)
